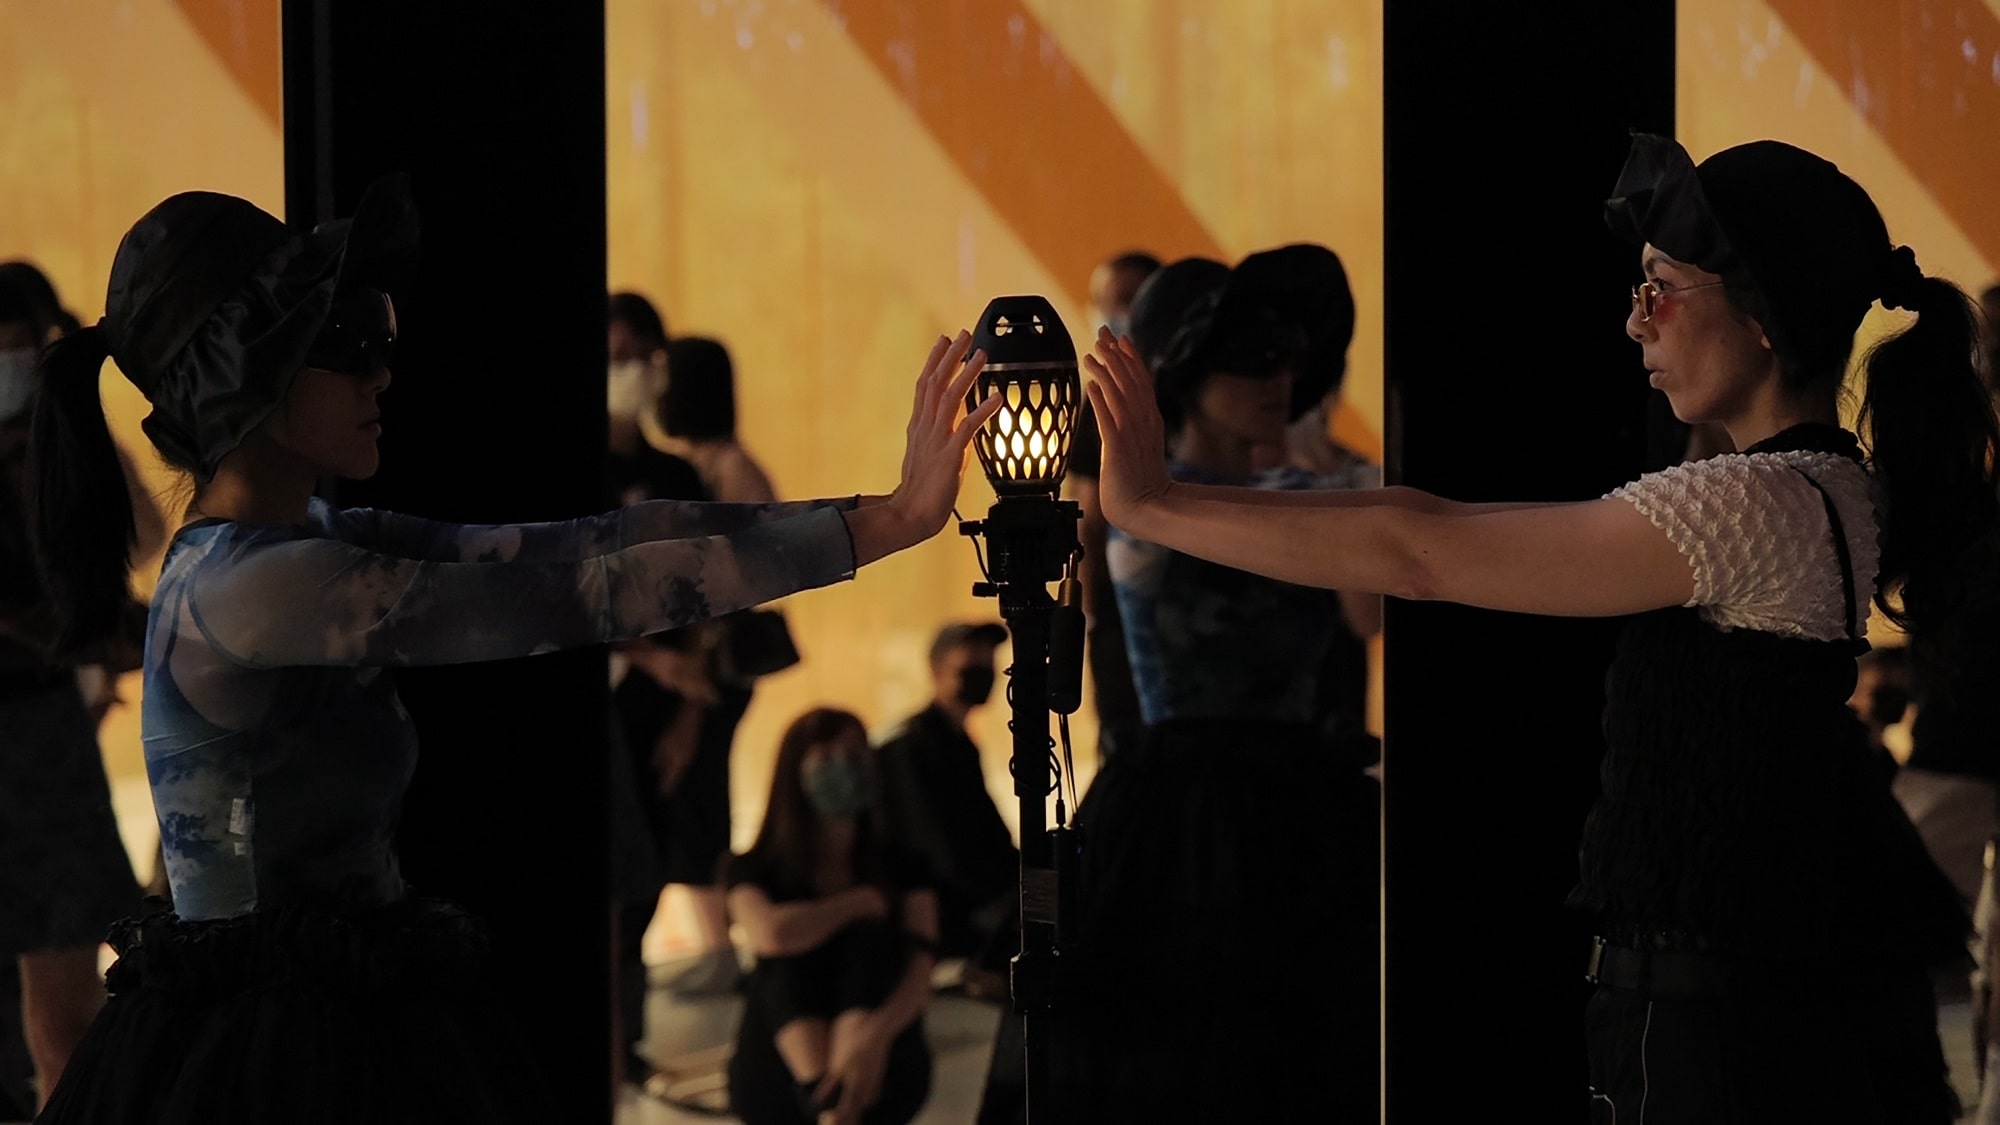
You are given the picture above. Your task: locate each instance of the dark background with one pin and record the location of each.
(1509, 378)
(496, 414)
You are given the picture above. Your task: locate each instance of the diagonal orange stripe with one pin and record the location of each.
(244, 36)
(1926, 75)
(999, 94)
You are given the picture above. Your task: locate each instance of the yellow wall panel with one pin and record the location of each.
(774, 184)
(1744, 75)
(1268, 115)
(111, 106)
(769, 189)
(797, 179)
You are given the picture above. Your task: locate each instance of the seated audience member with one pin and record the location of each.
(936, 804)
(844, 928)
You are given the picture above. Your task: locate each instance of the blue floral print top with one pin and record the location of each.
(276, 746)
(1208, 641)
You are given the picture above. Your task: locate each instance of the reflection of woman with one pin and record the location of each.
(1766, 913)
(298, 979)
(845, 929)
(1234, 852)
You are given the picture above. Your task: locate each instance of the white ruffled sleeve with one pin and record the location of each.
(1755, 532)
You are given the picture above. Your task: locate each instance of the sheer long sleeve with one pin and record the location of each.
(446, 594)
(413, 537)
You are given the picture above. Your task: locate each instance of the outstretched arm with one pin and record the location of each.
(934, 455)
(328, 601)
(413, 537)
(1595, 558)
(1395, 496)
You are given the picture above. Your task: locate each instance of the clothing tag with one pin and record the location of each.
(240, 816)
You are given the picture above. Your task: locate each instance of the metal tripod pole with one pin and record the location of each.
(1032, 541)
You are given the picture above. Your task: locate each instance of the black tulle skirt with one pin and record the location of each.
(287, 1016)
(1226, 959)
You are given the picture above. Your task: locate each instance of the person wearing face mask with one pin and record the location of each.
(64, 874)
(844, 925)
(935, 802)
(660, 685)
(637, 371)
(27, 278)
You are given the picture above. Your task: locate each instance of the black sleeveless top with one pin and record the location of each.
(1742, 809)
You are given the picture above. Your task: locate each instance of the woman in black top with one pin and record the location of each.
(1766, 913)
(845, 931)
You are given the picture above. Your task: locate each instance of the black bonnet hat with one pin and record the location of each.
(1287, 307)
(213, 306)
(1808, 237)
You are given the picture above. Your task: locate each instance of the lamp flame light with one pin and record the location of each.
(1030, 361)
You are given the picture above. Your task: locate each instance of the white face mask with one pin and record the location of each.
(17, 380)
(625, 388)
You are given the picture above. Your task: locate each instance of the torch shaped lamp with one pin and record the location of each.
(1031, 539)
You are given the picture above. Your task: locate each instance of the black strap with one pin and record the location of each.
(1840, 551)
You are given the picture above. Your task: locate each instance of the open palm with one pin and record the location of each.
(939, 433)
(1134, 473)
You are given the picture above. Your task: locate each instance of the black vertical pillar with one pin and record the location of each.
(495, 414)
(1510, 378)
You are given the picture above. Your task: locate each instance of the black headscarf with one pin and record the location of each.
(1808, 237)
(214, 305)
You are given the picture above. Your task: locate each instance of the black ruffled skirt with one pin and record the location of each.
(305, 1019)
(1227, 947)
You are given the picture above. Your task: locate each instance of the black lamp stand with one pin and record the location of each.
(1031, 542)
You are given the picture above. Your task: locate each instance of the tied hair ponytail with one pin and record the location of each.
(79, 508)
(1933, 440)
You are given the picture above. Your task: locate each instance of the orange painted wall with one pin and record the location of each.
(826, 186)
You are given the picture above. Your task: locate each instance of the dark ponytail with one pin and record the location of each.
(79, 509)
(1933, 441)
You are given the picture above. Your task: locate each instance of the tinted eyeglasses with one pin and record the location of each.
(1647, 296)
(359, 335)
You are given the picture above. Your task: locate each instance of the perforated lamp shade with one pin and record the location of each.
(1024, 447)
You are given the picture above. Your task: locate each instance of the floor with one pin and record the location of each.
(1955, 1030)
(688, 1037)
